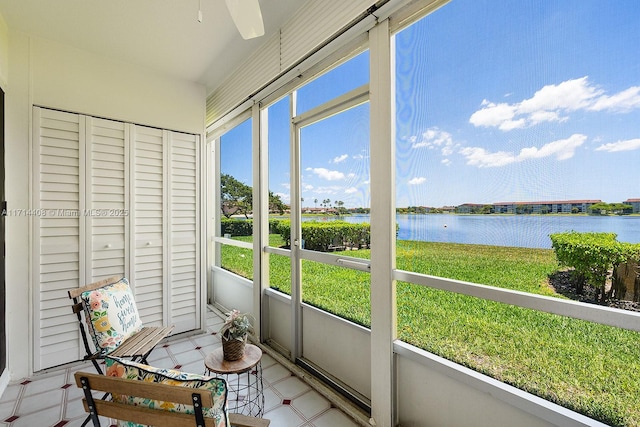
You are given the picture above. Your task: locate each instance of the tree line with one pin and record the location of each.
(236, 198)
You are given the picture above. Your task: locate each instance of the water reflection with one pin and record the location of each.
(529, 231)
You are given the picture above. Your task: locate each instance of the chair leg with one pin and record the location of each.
(143, 359)
(86, 421)
(90, 417)
(93, 416)
(97, 366)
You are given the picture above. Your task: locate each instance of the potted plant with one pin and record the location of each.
(234, 334)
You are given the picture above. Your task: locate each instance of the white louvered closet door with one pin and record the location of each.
(184, 231)
(112, 198)
(148, 270)
(106, 199)
(57, 244)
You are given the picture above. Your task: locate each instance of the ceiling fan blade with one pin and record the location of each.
(247, 16)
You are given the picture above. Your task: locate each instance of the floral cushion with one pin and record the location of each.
(121, 368)
(111, 315)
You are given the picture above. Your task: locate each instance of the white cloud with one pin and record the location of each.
(480, 157)
(351, 190)
(545, 116)
(447, 150)
(328, 190)
(445, 162)
(628, 145)
(493, 114)
(512, 124)
(623, 101)
(283, 196)
(433, 138)
(552, 103)
(327, 174)
(340, 159)
(569, 95)
(562, 150)
(417, 180)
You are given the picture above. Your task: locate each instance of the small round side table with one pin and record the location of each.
(244, 379)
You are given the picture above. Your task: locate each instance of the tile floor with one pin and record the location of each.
(52, 399)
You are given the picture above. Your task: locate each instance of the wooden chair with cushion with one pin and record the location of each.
(112, 321)
(160, 398)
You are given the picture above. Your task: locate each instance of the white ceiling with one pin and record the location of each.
(163, 35)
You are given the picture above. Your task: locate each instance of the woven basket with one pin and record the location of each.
(233, 349)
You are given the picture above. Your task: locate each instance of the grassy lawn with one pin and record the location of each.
(587, 367)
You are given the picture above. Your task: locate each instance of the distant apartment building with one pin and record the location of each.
(546, 207)
(635, 203)
(468, 208)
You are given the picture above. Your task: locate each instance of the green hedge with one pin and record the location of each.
(244, 227)
(324, 236)
(591, 255)
(236, 227)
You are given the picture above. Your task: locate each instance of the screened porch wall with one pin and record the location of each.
(415, 388)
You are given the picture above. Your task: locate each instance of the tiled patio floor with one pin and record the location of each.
(52, 399)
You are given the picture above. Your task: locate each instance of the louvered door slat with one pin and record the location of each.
(57, 234)
(106, 198)
(184, 273)
(149, 228)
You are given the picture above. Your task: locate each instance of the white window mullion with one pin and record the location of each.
(211, 197)
(296, 237)
(260, 214)
(383, 254)
(264, 272)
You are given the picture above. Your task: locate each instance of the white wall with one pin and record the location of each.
(41, 72)
(4, 53)
(338, 347)
(17, 109)
(70, 79)
(4, 66)
(432, 391)
(428, 398)
(279, 320)
(231, 291)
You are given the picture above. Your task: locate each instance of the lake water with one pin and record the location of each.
(530, 231)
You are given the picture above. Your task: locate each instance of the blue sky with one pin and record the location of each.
(495, 101)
